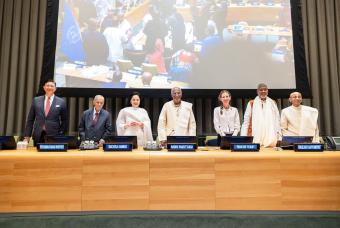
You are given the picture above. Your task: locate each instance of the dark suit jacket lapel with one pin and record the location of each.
(42, 104)
(90, 117)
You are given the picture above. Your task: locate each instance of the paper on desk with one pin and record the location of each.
(93, 71)
(127, 77)
(160, 79)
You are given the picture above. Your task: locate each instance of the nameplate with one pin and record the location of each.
(117, 147)
(181, 147)
(309, 147)
(52, 147)
(244, 147)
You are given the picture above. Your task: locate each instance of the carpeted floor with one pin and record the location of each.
(172, 219)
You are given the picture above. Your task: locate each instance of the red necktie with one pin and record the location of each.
(48, 106)
(95, 119)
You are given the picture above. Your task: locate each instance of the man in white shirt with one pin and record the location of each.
(299, 120)
(262, 119)
(176, 118)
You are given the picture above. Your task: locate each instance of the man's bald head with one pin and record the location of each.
(146, 78)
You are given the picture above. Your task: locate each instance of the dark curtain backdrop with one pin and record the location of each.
(22, 31)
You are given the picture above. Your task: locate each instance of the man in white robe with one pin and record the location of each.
(299, 120)
(262, 119)
(176, 118)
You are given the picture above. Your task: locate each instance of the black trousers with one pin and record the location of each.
(41, 139)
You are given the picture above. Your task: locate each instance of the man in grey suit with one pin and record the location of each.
(47, 115)
(96, 123)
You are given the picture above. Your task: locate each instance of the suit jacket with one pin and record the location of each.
(56, 122)
(102, 129)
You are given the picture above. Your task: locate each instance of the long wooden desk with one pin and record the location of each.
(140, 180)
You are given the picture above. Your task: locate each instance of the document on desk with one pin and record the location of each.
(93, 71)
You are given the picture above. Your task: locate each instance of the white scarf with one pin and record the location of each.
(264, 122)
(309, 120)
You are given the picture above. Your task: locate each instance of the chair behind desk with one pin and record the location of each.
(72, 141)
(124, 65)
(7, 143)
(136, 57)
(211, 140)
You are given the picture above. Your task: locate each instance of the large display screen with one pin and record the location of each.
(193, 44)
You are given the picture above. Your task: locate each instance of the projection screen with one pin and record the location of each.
(193, 44)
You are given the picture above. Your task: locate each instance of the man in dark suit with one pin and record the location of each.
(96, 123)
(47, 115)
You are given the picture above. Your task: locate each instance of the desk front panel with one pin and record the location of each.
(115, 181)
(40, 182)
(182, 181)
(204, 180)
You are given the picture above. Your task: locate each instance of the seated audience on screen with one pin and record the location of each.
(177, 27)
(226, 118)
(95, 45)
(262, 119)
(154, 29)
(124, 24)
(47, 115)
(298, 119)
(135, 120)
(176, 118)
(95, 123)
(157, 56)
(108, 19)
(146, 79)
(115, 38)
(211, 42)
(181, 65)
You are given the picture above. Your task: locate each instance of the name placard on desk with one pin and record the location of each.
(181, 147)
(117, 147)
(52, 147)
(244, 147)
(309, 147)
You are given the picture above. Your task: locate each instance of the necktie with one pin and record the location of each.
(95, 119)
(48, 106)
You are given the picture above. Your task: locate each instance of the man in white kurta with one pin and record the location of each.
(176, 118)
(262, 119)
(299, 120)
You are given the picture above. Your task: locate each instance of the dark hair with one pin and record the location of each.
(133, 94)
(50, 80)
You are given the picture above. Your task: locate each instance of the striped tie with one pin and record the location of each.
(95, 119)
